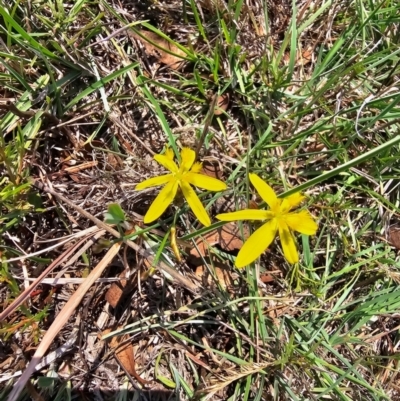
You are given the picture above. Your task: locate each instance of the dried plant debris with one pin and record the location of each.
(124, 353)
(214, 272)
(394, 236)
(117, 289)
(91, 91)
(228, 238)
(222, 104)
(163, 50)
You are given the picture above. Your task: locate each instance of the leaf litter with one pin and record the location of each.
(112, 175)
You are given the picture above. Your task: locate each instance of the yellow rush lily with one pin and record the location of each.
(188, 173)
(279, 218)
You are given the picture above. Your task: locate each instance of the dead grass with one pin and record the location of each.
(91, 91)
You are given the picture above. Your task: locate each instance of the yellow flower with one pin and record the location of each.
(187, 173)
(279, 218)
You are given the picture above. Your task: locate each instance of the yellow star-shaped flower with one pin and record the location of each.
(279, 219)
(188, 173)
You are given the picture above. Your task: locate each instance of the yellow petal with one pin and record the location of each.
(246, 214)
(169, 153)
(257, 243)
(204, 182)
(163, 199)
(196, 168)
(288, 243)
(153, 182)
(195, 204)
(301, 222)
(188, 155)
(266, 192)
(291, 202)
(166, 162)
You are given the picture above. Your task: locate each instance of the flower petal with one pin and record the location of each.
(196, 168)
(301, 222)
(188, 156)
(195, 204)
(204, 181)
(265, 191)
(246, 214)
(163, 199)
(153, 182)
(288, 243)
(291, 202)
(169, 153)
(257, 243)
(166, 162)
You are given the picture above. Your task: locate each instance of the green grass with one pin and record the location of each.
(326, 328)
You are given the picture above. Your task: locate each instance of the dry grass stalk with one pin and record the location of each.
(61, 320)
(223, 381)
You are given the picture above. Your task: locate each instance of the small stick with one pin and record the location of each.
(115, 33)
(207, 124)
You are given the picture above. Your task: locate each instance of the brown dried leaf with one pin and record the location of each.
(266, 278)
(212, 170)
(306, 57)
(114, 162)
(270, 276)
(223, 273)
(197, 360)
(124, 353)
(161, 49)
(126, 358)
(115, 292)
(222, 104)
(228, 237)
(394, 237)
(303, 57)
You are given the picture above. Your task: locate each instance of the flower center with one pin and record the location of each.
(179, 175)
